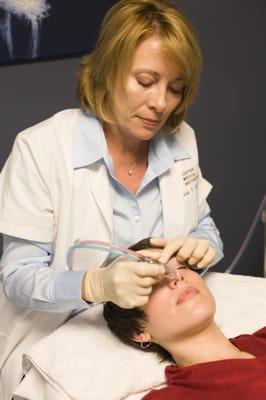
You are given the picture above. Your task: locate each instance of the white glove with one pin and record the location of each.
(196, 252)
(126, 283)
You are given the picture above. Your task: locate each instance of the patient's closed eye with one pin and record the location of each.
(194, 269)
(185, 267)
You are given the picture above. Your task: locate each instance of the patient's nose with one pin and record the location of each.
(172, 283)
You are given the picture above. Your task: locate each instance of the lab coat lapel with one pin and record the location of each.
(101, 192)
(171, 187)
(92, 213)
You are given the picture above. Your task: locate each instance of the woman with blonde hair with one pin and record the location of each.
(122, 167)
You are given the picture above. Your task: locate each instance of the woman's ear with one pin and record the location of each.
(141, 337)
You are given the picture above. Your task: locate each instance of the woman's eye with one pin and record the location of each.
(145, 84)
(195, 269)
(177, 92)
(183, 267)
(189, 268)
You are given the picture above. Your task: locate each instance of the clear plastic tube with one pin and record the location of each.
(170, 271)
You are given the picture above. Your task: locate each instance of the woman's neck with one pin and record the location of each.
(209, 344)
(129, 158)
(125, 146)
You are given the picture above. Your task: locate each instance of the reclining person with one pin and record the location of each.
(178, 324)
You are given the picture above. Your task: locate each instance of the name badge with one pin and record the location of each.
(190, 179)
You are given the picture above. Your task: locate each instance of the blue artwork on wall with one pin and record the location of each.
(43, 29)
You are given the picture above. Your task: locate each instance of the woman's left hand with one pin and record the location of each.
(195, 252)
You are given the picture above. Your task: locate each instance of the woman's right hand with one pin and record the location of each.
(125, 283)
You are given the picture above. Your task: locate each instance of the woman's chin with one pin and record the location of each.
(199, 315)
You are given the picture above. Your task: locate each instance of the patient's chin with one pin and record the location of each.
(189, 322)
(200, 311)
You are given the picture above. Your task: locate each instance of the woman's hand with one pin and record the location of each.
(195, 252)
(126, 283)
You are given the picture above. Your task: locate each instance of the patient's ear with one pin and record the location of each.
(141, 337)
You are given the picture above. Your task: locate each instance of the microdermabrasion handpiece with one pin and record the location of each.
(170, 271)
(173, 272)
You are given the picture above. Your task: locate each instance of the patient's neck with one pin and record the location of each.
(208, 344)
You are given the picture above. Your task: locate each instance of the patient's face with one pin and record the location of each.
(178, 308)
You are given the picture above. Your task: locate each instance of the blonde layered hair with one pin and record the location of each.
(124, 27)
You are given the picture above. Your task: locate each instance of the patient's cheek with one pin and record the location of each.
(154, 299)
(157, 299)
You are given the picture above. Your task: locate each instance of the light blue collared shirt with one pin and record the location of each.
(29, 282)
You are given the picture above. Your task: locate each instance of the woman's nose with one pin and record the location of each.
(172, 283)
(157, 100)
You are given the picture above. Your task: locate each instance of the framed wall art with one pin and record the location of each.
(42, 29)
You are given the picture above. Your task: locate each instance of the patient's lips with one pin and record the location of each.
(186, 293)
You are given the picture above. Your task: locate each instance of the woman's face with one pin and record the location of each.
(178, 308)
(153, 89)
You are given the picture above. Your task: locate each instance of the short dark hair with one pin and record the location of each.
(124, 323)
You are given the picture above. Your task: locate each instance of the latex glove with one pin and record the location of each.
(195, 252)
(126, 283)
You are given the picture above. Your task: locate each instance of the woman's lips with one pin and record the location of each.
(152, 123)
(186, 294)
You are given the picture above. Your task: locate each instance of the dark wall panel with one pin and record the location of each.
(228, 116)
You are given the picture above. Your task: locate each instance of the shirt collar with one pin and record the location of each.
(167, 145)
(89, 141)
(90, 145)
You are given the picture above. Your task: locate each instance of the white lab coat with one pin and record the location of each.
(40, 200)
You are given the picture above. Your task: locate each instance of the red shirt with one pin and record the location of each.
(233, 379)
